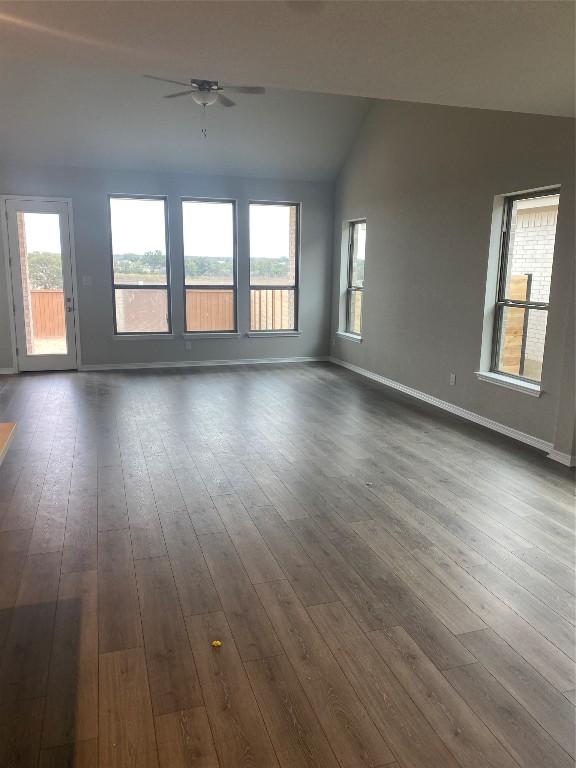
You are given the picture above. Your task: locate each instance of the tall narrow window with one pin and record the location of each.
(525, 272)
(355, 287)
(210, 265)
(274, 257)
(140, 265)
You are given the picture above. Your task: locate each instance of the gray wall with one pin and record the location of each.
(89, 189)
(425, 178)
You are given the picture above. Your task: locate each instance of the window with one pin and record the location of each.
(209, 265)
(525, 271)
(274, 267)
(140, 265)
(355, 284)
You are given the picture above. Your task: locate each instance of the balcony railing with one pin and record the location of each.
(272, 309)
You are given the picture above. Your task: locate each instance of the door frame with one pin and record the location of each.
(67, 201)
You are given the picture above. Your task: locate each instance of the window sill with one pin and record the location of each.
(143, 336)
(526, 387)
(349, 336)
(210, 335)
(271, 334)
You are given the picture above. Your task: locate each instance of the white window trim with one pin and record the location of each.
(144, 336)
(271, 334)
(349, 336)
(510, 382)
(189, 335)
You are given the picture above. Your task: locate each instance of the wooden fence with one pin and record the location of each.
(48, 314)
(513, 341)
(209, 310)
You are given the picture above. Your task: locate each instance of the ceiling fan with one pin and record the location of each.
(208, 92)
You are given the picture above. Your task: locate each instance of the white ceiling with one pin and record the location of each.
(71, 89)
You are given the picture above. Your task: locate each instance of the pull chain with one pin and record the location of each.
(204, 131)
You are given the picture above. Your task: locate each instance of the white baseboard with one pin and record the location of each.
(562, 458)
(503, 429)
(7, 371)
(200, 363)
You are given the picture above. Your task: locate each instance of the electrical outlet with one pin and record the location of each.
(452, 379)
(188, 345)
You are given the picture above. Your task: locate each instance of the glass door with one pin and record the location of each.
(42, 287)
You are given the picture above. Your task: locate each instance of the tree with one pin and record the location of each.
(45, 271)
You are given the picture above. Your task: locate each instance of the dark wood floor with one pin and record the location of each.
(391, 587)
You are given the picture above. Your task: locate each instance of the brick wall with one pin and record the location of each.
(531, 253)
(26, 295)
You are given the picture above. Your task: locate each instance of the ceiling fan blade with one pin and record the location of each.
(164, 80)
(255, 89)
(225, 101)
(180, 93)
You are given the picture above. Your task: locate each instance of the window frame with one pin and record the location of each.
(295, 287)
(501, 301)
(350, 289)
(154, 286)
(234, 286)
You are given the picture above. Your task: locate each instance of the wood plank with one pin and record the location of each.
(465, 735)
(411, 526)
(363, 602)
(434, 638)
(199, 504)
(72, 696)
(394, 713)
(295, 731)
(20, 731)
(193, 581)
(171, 670)
(441, 601)
(112, 512)
(536, 613)
(243, 484)
(539, 698)
(127, 738)
(557, 572)
(560, 600)
(26, 656)
(13, 555)
(305, 578)
(49, 528)
(350, 730)
(239, 732)
(83, 754)
(257, 559)
(289, 508)
(165, 487)
(185, 740)
(80, 551)
(145, 528)
(119, 625)
(530, 745)
(250, 625)
(554, 665)
(21, 510)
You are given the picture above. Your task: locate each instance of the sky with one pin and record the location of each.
(42, 232)
(138, 226)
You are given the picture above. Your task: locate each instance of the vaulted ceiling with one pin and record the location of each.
(71, 89)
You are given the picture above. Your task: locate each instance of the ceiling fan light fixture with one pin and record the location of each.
(205, 98)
